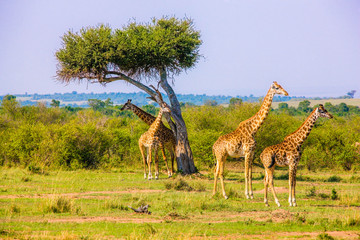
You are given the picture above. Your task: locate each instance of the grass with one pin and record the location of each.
(94, 205)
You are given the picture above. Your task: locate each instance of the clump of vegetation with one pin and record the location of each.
(34, 169)
(284, 176)
(58, 204)
(234, 194)
(115, 204)
(354, 179)
(179, 185)
(14, 209)
(350, 200)
(353, 222)
(334, 195)
(334, 178)
(323, 195)
(325, 236)
(25, 179)
(311, 192)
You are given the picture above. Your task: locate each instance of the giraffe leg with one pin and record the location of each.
(165, 160)
(292, 183)
(247, 174)
(172, 153)
(149, 162)
(221, 169)
(251, 157)
(142, 151)
(270, 173)
(216, 175)
(156, 163)
(266, 183)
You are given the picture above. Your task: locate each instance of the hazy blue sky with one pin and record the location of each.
(311, 47)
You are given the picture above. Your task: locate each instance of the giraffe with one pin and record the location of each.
(164, 134)
(288, 153)
(241, 142)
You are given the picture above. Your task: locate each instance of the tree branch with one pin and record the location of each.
(121, 76)
(148, 90)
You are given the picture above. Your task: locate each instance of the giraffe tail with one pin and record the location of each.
(213, 153)
(272, 160)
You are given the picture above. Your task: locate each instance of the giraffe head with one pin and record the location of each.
(277, 89)
(126, 105)
(321, 111)
(165, 107)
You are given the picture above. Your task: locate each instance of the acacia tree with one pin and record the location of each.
(137, 54)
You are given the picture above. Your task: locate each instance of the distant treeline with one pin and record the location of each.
(75, 99)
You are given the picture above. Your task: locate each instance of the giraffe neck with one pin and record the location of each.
(154, 127)
(257, 120)
(146, 117)
(299, 136)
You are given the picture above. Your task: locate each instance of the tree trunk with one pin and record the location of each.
(184, 156)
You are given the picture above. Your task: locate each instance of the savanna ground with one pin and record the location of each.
(93, 204)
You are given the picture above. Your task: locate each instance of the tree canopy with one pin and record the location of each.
(136, 50)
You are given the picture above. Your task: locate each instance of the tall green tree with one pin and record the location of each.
(55, 103)
(137, 54)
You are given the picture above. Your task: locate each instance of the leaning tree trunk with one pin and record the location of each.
(184, 156)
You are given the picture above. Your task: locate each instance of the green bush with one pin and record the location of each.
(37, 137)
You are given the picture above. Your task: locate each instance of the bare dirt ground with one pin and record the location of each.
(348, 235)
(91, 194)
(278, 215)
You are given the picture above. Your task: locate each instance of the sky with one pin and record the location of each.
(311, 48)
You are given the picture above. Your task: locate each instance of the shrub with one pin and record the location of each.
(324, 236)
(334, 179)
(58, 205)
(334, 195)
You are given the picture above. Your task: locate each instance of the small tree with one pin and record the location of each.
(235, 101)
(136, 54)
(351, 94)
(10, 106)
(55, 103)
(210, 102)
(283, 106)
(304, 106)
(96, 104)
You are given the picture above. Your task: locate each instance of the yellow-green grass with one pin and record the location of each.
(94, 205)
(333, 101)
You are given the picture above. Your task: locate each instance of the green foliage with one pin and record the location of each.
(210, 103)
(334, 178)
(324, 236)
(10, 106)
(38, 137)
(136, 49)
(334, 195)
(304, 106)
(55, 103)
(151, 109)
(235, 101)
